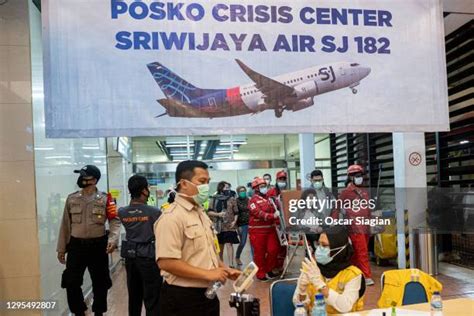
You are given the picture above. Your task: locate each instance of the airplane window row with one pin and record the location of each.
(248, 93)
(293, 80)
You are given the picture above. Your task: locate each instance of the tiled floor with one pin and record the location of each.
(457, 282)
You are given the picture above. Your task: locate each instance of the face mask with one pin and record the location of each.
(203, 193)
(322, 254)
(81, 183)
(281, 185)
(242, 195)
(264, 190)
(317, 185)
(226, 192)
(358, 180)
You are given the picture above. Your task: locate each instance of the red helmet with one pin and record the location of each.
(281, 174)
(257, 181)
(353, 169)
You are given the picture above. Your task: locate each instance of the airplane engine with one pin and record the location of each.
(302, 104)
(306, 90)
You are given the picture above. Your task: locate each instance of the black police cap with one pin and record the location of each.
(89, 171)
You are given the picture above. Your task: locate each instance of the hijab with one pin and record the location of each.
(338, 237)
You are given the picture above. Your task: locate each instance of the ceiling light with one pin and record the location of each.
(58, 157)
(233, 143)
(174, 146)
(44, 148)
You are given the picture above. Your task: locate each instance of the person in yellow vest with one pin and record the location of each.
(331, 274)
(171, 194)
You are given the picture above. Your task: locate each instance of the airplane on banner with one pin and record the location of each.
(293, 91)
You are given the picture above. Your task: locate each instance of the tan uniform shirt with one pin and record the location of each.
(84, 217)
(185, 232)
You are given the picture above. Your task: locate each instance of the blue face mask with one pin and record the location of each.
(322, 254)
(264, 190)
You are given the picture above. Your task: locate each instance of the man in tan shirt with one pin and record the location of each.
(186, 247)
(83, 238)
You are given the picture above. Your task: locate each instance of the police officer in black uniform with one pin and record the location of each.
(143, 275)
(83, 238)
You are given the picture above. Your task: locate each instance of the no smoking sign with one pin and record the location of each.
(415, 159)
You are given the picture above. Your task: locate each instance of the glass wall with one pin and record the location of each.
(233, 158)
(55, 160)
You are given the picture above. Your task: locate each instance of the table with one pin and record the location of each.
(454, 307)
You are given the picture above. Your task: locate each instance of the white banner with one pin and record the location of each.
(138, 68)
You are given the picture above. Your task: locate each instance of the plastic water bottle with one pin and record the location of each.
(300, 311)
(436, 302)
(211, 291)
(319, 308)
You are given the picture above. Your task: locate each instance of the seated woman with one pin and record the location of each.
(332, 275)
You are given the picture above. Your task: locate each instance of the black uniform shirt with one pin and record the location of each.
(138, 220)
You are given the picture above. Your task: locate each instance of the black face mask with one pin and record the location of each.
(80, 182)
(226, 192)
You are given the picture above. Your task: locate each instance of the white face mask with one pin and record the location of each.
(264, 190)
(281, 184)
(358, 180)
(318, 184)
(203, 193)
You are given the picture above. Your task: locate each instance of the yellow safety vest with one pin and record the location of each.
(395, 281)
(151, 200)
(338, 283)
(205, 205)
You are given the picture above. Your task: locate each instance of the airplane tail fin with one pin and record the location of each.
(173, 86)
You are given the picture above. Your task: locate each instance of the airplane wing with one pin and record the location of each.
(274, 91)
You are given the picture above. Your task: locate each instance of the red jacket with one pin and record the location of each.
(353, 193)
(261, 212)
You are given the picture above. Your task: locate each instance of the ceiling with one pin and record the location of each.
(237, 147)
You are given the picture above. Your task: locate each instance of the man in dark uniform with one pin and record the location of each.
(83, 238)
(143, 275)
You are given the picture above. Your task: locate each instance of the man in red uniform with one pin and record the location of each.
(275, 194)
(262, 232)
(359, 234)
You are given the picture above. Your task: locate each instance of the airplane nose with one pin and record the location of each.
(365, 71)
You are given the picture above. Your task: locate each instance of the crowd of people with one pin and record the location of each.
(178, 250)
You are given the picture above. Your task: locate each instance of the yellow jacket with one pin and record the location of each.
(394, 285)
(337, 284)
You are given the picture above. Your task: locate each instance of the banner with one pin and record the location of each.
(143, 68)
